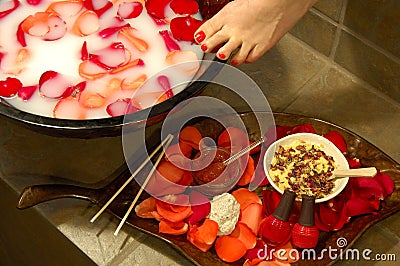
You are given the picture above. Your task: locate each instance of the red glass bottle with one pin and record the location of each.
(305, 233)
(276, 227)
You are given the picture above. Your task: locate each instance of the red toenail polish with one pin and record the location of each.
(246, 62)
(221, 56)
(203, 47)
(234, 63)
(200, 36)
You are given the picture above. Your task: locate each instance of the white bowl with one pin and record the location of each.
(327, 146)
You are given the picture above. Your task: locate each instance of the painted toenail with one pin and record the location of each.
(234, 63)
(203, 47)
(221, 56)
(200, 36)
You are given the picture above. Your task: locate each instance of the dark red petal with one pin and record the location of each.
(306, 128)
(25, 93)
(9, 87)
(88, 4)
(184, 7)
(156, 8)
(368, 188)
(353, 163)
(8, 11)
(21, 35)
(336, 138)
(107, 32)
(183, 28)
(386, 182)
(320, 225)
(359, 206)
(257, 251)
(270, 201)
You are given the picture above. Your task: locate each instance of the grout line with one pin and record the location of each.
(372, 45)
(331, 64)
(338, 32)
(341, 27)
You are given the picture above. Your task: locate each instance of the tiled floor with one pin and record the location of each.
(294, 80)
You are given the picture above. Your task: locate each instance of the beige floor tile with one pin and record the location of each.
(381, 243)
(155, 252)
(279, 73)
(336, 98)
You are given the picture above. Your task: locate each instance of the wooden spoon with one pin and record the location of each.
(359, 172)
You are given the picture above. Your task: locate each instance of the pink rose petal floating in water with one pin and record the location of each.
(8, 7)
(130, 9)
(46, 25)
(82, 18)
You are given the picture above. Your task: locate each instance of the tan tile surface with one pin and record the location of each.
(96, 240)
(331, 8)
(155, 252)
(381, 242)
(335, 97)
(279, 73)
(316, 32)
(378, 21)
(369, 64)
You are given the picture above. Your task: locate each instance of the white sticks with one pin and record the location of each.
(169, 139)
(167, 142)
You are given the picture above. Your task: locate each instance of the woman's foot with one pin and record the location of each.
(253, 26)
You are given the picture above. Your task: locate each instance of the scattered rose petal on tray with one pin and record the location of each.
(195, 215)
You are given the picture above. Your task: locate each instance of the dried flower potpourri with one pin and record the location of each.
(303, 168)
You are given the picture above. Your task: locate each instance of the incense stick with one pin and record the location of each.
(142, 187)
(167, 139)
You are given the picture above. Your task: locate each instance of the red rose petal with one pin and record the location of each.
(386, 182)
(270, 201)
(184, 7)
(183, 28)
(156, 8)
(353, 163)
(14, 6)
(359, 206)
(306, 128)
(336, 138)
(233, 136)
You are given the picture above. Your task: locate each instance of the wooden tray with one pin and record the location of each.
(368, 154)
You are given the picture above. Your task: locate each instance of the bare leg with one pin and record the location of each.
(253, 26)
